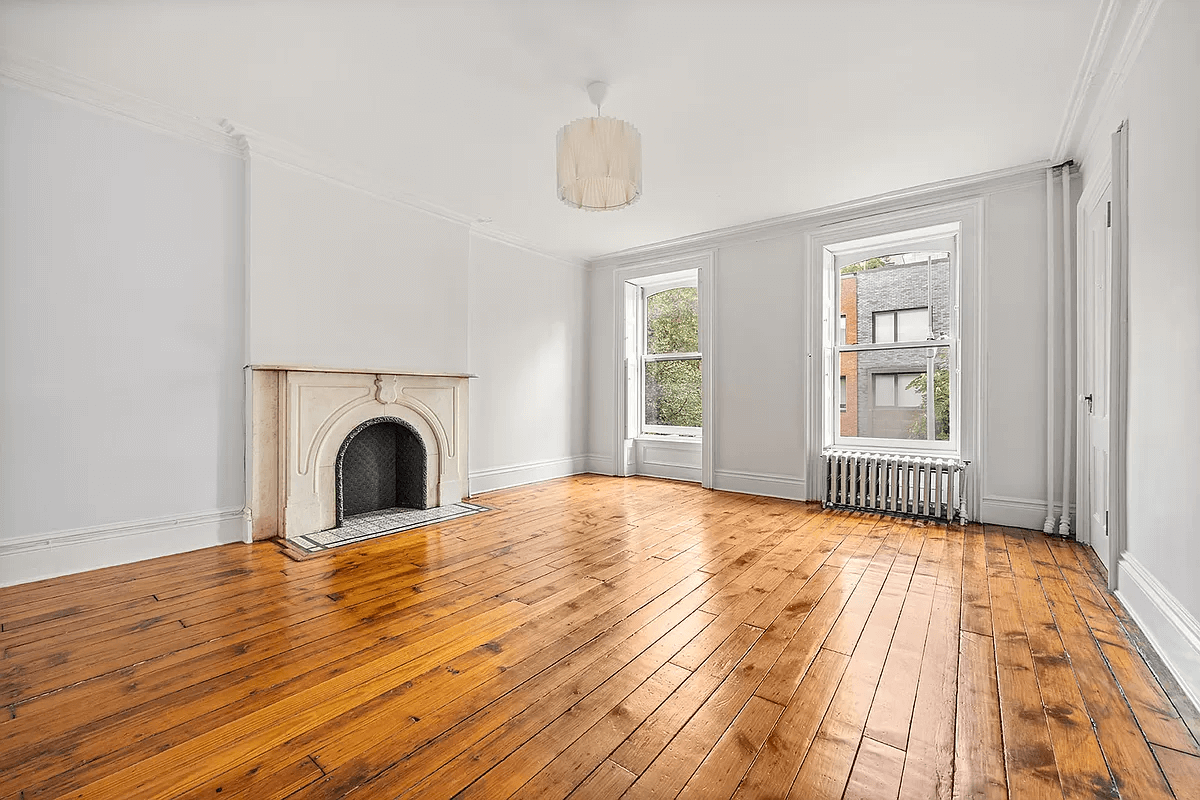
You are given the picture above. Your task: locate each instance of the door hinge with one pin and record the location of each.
(1108, 222)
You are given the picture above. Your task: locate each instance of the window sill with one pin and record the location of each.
(667, 437)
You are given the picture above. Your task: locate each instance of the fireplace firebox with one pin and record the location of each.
(380, 465)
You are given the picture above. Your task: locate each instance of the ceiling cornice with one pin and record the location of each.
(30, 73)
(1096, 47)
(232, 138)
(1106, 63)
(914, 197)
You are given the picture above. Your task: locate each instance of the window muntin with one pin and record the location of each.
(671, 363)
(899, 298)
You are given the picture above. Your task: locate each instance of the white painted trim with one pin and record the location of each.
(1118, 416)
(1114, 77)
(946, 191)
(294, 157)
(30, 73)
(228, 137)
(671, 472)
(599, 464)
(48, 555)
(1013, 512)
(487, 480)
(1167, 623)
(787, 487)
(1098, 42)
(708, 340)
(1099, 183)
(970, 215)
(704, 262)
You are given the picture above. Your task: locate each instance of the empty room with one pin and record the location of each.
(600, 399)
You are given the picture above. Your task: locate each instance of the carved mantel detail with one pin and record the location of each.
(387, 388)
(299, 417)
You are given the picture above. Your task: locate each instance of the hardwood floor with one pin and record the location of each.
(593, 638)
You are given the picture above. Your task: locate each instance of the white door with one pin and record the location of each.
(1097, 363)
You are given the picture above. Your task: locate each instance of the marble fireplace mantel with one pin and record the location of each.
(299, 417)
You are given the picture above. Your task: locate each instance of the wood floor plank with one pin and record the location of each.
(1029, 756)
(610, 780)
(929, 757)
(1081, 765)
(725, 764)
(877, 771)
(780, 757)
(1125, 749)
(978, 752)
(595, 637)
(1182, 770)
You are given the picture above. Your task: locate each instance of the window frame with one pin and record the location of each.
(647, 288)
(937, 238)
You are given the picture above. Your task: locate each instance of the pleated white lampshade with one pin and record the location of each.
(599, 164)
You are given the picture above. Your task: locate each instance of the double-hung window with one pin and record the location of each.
(895, 368)
(670, 362)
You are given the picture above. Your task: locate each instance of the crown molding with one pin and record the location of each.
(252, 143)
(30, 73)
(521, 243)
(1098, 42)
(912, 197)
(1107, 60)
(226, 136)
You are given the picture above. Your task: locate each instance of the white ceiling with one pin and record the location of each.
(747, 110)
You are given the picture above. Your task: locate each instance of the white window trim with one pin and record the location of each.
(648, 287)
(935, 238)
(894, 231)
(625, 317)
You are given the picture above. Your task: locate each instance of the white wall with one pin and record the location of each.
(1158, 572)
(528, 346)
(121, 306)
(342, 278)
(761, 365)
(760, 368)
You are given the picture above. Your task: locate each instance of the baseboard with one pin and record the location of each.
(49, 555)
(671, 472)
(1013, 512)
(1170, 627)
(487, 480)
(787, 487)
(600, 464)
(1017, 512)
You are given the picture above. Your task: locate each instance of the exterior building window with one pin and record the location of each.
(670, 359)
(895, 354)
(904, 325)
(897, 390)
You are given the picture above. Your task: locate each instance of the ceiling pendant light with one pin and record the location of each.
(599, 160)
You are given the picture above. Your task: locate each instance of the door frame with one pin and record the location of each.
(1106, 177)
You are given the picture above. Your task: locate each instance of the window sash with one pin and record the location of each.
(649, 289)
(946, 243)
(671, 357)
(862, 348)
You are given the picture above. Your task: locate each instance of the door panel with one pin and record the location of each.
(1097, 361)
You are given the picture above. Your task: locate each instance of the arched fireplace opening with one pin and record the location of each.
(380, 465)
